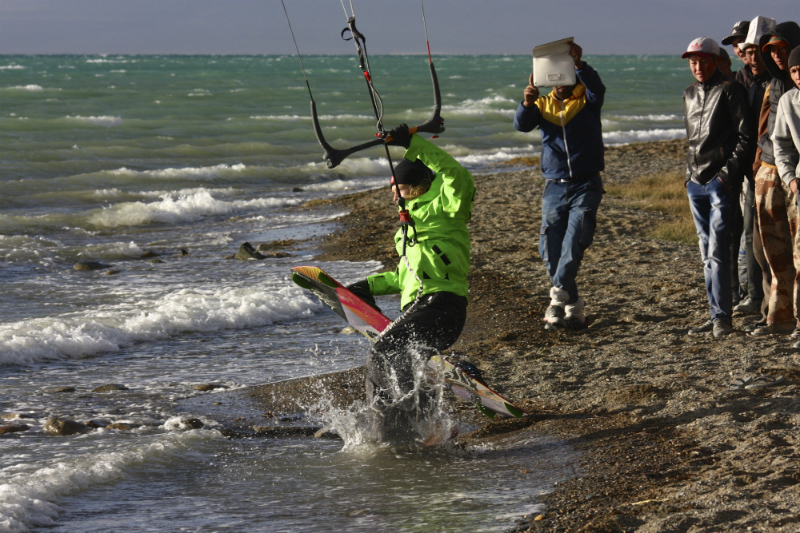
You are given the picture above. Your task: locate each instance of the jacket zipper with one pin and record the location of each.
(564, 130)
(700, 126)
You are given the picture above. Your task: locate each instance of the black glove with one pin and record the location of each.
(361, 289)
(400, 136)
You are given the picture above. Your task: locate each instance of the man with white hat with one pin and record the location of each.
(719, 132)
(759, 277)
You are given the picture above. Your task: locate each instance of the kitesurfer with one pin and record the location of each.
(431, 278)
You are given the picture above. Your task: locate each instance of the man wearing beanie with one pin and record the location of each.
(431, 278)
(719, 130)
(772, 201)
(786, 149)
(572, 158)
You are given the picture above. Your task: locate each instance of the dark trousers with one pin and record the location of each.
(395, 368)
(755, 288)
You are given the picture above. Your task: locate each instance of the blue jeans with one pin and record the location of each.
(569, 218)
(713, 206)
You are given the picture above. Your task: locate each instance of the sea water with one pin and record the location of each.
(103, 158)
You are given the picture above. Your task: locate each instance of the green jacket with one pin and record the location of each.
(441, 256)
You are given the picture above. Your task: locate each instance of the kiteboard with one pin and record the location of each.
(371, 322)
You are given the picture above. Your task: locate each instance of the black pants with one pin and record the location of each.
(430, 325)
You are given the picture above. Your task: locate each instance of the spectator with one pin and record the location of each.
(758, 273)
(786, 142)
(725, 64)
(771, 194)
(738, 34)
(718, 129)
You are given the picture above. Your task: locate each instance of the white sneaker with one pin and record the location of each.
(555, 314)
(575, 319)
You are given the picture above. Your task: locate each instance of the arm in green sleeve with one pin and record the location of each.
(384, 283)
(459, 186)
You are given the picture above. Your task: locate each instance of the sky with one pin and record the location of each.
(390, 26)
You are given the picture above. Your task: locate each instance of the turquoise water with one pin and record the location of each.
(105, 157)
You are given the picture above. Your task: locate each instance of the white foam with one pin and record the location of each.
(42, 249)
(106, 329)
(213, 172)
(105, 120)
(177, 208)
(227, 191)
(30, 498)
(109, 61)
(625, 137)
(32, 88)
(11, 67)
(653, 118)
(490, 104)
(363, 166)
(307, 117)
(346, 185)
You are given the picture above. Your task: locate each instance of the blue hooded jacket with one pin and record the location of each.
(576, 119)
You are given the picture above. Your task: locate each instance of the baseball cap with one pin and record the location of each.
(739, 31)
(774, 41)
(702, 46)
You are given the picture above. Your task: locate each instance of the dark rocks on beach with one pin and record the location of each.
(58, 426)
(110, 387)
(193, 423)
(95, 424)
(149, 254)
(111, 272)
(246, 251)
(55, 390)
(17, 416)
(276, 255)
(13, 428)
(123, 426)
(297, 189)
(90, 265)
(183, 251)
(156, 261)
(274, 245)
(205, 387)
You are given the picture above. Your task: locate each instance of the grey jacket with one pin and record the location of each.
(786, 136)
(719, 129)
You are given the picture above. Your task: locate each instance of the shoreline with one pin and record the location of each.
(665, 445)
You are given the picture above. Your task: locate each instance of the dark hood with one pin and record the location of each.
(789, 32)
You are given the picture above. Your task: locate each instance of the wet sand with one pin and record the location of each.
(665, 445)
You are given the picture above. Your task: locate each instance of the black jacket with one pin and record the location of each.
(720, 131)
(789, 32)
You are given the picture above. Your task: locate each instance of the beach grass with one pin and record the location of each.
(662, 193)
